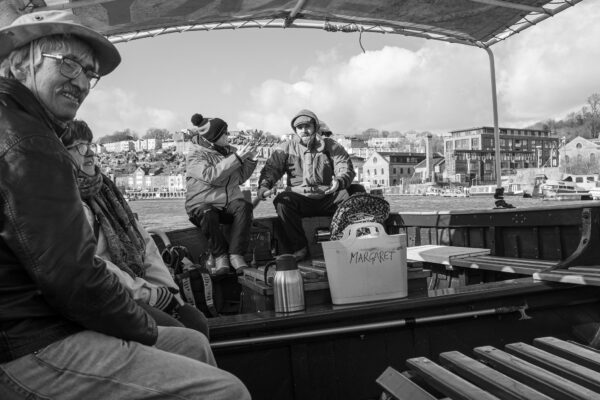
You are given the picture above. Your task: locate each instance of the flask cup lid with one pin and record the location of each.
(286, 262)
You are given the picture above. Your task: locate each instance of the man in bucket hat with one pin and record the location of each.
(68, 329)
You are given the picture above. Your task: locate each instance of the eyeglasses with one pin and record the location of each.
(69, 68)
(83, 148)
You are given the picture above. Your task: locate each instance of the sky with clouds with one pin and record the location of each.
(258, 79)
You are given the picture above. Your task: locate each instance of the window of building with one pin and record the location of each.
(374, 159)
(394, 171)
(579, 146)
(592, 157)
(566, 159)
(401, 170)
(382, 173)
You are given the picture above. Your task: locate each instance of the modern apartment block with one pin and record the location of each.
(470, 155)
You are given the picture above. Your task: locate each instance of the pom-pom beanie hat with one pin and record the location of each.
(211, 129)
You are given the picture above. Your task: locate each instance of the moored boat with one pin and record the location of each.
(563, 191)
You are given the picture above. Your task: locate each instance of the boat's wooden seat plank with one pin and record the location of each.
(567, 369)
(531, 375)
(568, 276)
(440, 254)
(401, 387)
(446, 382)
(581, 355)
(503, 264)
(489, 379)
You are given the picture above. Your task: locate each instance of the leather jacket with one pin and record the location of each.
(51, 285)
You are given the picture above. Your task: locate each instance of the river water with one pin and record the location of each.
(170, 213)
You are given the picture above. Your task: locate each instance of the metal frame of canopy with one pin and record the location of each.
(533, 14)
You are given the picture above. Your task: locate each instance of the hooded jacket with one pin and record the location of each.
(310, 169)
(213, 178)
(51, 285)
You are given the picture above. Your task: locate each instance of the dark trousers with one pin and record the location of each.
(238, 213)
(291, 207)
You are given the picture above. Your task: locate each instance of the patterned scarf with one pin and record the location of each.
(126, 245)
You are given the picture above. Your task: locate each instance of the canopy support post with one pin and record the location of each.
(495, 111)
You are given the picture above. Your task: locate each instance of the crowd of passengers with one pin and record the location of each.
(88, 308)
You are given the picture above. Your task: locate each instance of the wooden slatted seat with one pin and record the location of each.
(579, 276)
(489, 379)
(503, 264)
(446, 382)
(552, 369)
(536, 377)
(400, 387)
(567, 369)
(571, 351)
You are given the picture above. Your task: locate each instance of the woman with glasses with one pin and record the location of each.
(129, 251)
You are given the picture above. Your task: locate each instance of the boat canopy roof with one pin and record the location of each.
(479, 23)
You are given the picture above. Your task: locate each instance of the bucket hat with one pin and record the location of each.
(39, 24)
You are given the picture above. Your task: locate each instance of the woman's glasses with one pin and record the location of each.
(71, 69)
(83, 148)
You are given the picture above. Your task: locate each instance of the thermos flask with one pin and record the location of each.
(288, 287)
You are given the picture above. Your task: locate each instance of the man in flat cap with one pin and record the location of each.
(68, 329)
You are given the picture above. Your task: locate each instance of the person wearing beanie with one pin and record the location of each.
(215, 171)
(318, 171)
(69, 328)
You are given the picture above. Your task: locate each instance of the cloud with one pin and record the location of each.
(542, 73)
(108, 110)
(553, 68)
(392, 88)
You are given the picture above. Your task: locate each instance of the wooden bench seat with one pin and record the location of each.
(581, 355)
(549, 369)
(488, 378)
(567, 369)
(447, 382)
(503, 264)
(536, 377)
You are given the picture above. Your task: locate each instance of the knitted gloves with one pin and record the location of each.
(165, 299)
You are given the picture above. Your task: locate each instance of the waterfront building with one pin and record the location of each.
(581, 153)
(390, 168)
(470, 154)
(147, 144)
(358, 164)
(438, 166)
(117, 147)
(383, 141)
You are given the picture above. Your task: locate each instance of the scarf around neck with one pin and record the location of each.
(126, 245)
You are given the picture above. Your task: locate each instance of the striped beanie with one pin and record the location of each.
(211, 129)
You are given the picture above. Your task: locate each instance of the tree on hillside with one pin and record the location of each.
(119, 136)
(593, 114)
(156, 133)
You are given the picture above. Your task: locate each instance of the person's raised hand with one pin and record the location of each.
(244, 151)
(335, 184)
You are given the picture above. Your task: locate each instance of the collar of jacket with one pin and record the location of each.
(25, 99)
